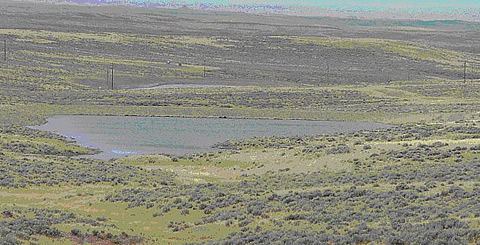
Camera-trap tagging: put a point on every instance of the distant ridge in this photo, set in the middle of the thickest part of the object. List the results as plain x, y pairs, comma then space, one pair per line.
466, 12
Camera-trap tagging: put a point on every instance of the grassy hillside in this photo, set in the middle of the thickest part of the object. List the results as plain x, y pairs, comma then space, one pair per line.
413, 183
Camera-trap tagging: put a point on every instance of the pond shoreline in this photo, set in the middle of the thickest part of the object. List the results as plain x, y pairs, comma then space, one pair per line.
210, 117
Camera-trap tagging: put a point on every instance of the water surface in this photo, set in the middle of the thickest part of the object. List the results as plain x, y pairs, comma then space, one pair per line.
118, 136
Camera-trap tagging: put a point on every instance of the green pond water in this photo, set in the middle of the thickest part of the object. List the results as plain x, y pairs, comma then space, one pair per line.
118, 136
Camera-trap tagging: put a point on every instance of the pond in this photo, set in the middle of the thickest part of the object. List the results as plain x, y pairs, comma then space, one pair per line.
118, 136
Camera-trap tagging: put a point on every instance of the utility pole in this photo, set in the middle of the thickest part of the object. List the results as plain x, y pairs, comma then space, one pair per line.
327, 72
465, 72
112, 76
5, 50
108, 77
204, 68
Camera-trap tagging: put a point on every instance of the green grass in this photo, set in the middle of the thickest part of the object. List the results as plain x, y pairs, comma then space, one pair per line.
46, 37
411, 50
87, 201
